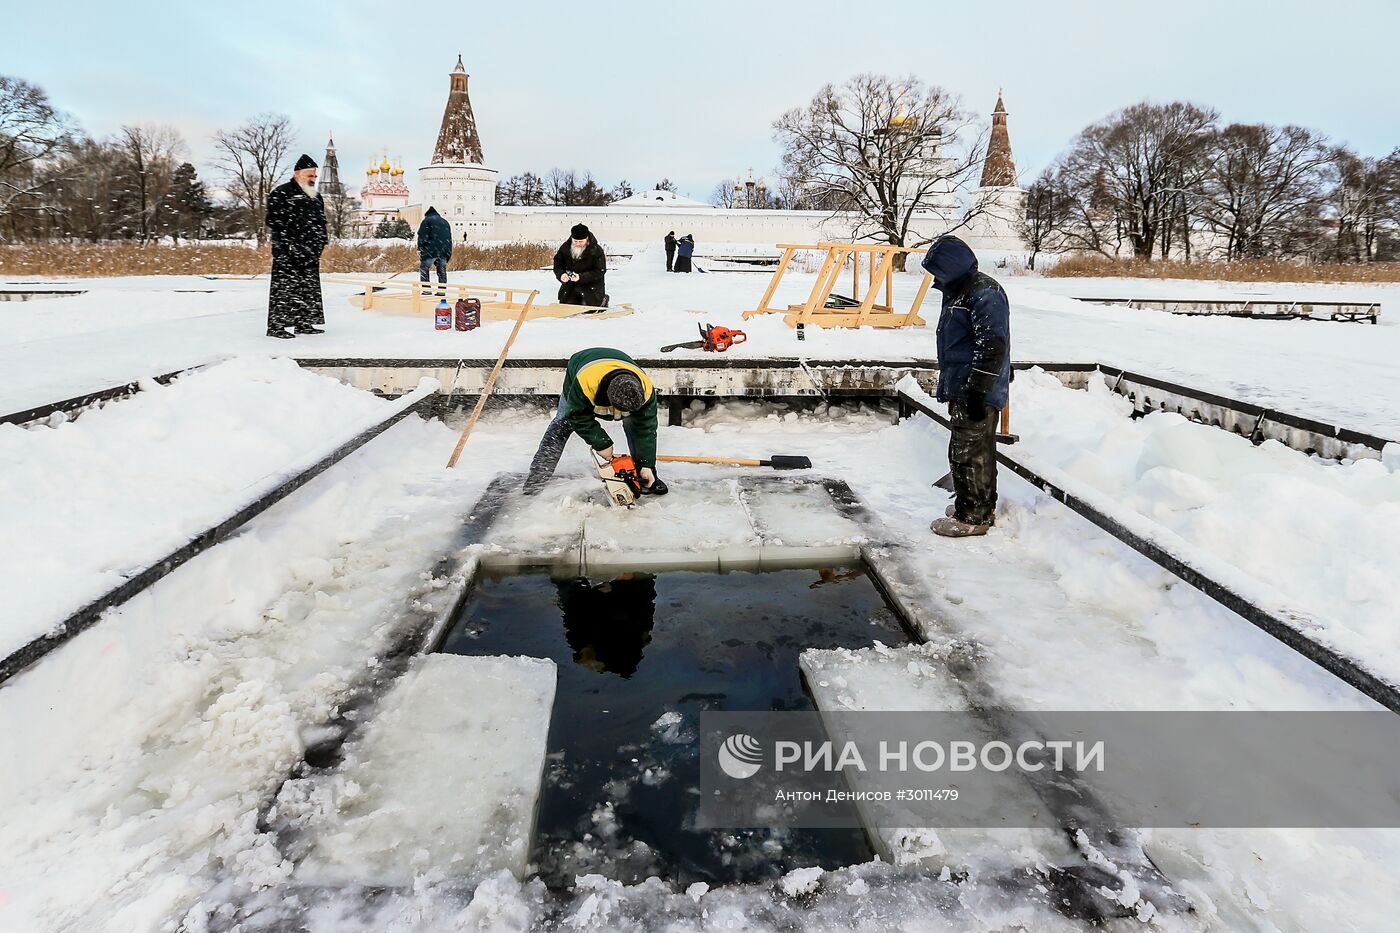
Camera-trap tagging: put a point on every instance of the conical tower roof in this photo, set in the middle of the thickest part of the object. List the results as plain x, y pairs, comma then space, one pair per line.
330, 170
458, 142
999, 170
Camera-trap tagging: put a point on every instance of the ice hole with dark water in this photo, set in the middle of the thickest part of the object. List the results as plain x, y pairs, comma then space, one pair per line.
640, 656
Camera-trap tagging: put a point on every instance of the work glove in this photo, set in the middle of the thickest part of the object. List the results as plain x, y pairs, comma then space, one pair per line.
979, 386
648, 476
606, 454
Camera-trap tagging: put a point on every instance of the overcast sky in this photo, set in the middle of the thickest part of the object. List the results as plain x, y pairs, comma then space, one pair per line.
645, 90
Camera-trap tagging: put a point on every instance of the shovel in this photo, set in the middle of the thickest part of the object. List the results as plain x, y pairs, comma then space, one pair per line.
776, 461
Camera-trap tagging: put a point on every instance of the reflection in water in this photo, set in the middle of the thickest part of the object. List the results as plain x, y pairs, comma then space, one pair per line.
608, 625
640, 659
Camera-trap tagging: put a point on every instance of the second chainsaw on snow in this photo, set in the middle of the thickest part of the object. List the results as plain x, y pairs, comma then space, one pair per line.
714, 338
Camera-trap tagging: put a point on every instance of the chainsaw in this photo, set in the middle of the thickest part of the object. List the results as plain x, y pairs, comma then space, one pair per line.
713, 339
621, 479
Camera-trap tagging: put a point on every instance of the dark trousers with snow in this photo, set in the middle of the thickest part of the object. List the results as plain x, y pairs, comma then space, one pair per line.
427, 264
972, 459
670, 258
552, 448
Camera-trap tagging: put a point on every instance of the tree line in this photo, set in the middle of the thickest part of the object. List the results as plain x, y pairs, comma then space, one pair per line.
1157, 181
138, 184
565, 188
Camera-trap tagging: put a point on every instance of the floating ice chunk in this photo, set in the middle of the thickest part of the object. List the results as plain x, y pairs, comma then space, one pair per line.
801, 881
445, 779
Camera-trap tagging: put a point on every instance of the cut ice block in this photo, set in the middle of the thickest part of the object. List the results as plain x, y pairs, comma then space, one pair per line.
800, 515
914, 678
695, 518
544, 529
445, 780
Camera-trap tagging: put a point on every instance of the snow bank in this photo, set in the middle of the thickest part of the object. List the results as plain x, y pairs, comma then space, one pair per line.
139, 753
1324, 534
115, 490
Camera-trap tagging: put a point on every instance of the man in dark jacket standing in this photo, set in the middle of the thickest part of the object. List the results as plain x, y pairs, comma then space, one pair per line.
974, 376
434, 245
670, 250
580, 266
296, 216
686, 246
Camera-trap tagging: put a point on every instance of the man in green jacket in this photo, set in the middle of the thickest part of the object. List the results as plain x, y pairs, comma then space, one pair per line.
606, 384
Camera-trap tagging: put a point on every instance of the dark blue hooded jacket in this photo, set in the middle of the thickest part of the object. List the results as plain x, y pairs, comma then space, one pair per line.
974, 327
434, 236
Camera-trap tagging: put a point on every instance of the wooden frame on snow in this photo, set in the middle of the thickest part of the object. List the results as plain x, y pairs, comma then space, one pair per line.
824, 309
497, 304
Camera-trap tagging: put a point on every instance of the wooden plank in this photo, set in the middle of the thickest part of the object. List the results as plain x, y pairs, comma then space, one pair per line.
763, 306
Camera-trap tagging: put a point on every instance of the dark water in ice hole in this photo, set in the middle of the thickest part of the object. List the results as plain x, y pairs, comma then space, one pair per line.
620, 794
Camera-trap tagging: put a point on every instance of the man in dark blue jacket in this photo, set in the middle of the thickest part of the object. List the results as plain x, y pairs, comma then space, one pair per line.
434, 245
974, 375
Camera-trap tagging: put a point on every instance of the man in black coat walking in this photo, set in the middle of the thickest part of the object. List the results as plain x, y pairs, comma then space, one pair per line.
296, 216
434, 245
580, 266
670, 250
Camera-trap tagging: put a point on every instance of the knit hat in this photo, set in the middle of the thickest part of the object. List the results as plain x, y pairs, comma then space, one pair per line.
304, 162
625, 392
579, 232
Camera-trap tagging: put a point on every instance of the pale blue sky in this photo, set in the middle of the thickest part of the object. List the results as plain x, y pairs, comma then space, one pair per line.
642, 90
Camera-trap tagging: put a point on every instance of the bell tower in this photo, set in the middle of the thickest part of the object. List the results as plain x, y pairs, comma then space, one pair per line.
457, 182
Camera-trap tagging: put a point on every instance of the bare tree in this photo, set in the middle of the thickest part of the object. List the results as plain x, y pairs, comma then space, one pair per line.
1048, 217
253, 157
560, 187
31, 131
723, 193
1260, 182
1361, 200
149, 160
874, 146
1127, 173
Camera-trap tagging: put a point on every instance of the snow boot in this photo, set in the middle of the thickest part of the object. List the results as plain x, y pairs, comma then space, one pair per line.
281, 334
657, 488
308, 329
950, 527
952, 512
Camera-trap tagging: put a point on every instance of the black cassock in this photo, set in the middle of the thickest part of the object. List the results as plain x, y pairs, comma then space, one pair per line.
298, 225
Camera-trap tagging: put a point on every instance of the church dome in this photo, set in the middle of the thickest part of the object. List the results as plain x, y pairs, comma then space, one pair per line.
384, 166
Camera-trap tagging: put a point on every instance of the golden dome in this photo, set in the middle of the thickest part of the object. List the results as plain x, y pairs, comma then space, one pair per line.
371, 170
901, 118
398, 167
384, 166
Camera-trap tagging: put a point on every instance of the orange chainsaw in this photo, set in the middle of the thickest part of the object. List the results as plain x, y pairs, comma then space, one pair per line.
713, 339
620, 477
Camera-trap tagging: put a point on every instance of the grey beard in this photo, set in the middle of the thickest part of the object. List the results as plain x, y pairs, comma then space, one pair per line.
309, 190
576, 251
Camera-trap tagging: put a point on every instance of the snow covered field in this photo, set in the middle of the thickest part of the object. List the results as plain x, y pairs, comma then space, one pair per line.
141, 753
124, 329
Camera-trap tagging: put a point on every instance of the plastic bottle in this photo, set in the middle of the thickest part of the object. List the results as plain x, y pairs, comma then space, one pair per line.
467, 314
443, 316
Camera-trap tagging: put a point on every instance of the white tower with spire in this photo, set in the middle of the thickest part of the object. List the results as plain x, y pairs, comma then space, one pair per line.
457, 182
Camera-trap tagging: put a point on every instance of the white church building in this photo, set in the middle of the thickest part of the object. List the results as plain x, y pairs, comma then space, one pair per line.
463, 189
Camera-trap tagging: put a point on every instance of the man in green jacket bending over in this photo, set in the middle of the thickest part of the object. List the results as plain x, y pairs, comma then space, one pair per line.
606, 384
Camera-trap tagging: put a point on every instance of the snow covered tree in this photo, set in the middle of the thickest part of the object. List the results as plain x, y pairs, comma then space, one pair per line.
863, 147
396, 229
253, 158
